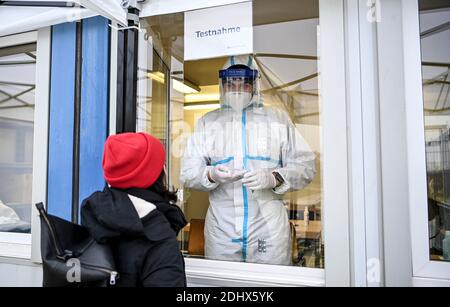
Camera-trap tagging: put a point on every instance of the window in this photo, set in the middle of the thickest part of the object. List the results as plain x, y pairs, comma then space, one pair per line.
435, 35
152, 106
24, 87
17, 98
285, 39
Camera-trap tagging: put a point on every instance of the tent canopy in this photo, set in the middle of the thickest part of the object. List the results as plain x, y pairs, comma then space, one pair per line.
32, 16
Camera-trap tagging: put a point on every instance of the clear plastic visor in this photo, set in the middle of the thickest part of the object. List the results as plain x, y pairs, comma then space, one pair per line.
237, 84
238, 87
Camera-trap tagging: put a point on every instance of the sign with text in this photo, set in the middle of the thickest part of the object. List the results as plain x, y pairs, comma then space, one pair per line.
218, 31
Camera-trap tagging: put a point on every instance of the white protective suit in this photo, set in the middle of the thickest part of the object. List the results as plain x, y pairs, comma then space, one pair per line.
241, 224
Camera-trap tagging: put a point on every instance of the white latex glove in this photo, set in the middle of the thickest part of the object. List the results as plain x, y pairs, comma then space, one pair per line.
259, 180
224, 174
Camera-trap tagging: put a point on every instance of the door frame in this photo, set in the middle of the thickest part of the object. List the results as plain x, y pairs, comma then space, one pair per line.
335, 173
26, 246
423, 267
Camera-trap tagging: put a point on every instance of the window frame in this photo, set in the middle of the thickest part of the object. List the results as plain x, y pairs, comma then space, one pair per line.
232, 274
162, 7
26, 246
423, 267
335, 167
113, 49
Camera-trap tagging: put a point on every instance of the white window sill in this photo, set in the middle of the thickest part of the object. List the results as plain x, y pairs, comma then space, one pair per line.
235, 274
15, 245
430, 282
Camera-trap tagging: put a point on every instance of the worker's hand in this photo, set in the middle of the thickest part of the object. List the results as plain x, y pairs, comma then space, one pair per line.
223, 174
259, 180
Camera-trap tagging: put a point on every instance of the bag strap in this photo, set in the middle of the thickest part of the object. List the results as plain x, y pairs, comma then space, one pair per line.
81, 251
60, 253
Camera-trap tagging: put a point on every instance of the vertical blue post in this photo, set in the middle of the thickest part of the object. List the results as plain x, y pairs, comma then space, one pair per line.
94, 104
62, 91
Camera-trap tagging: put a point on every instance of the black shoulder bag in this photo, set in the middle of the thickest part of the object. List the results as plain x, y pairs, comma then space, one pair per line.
71, 257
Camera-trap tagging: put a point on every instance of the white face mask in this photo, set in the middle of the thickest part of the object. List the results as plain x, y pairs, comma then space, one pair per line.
238, 100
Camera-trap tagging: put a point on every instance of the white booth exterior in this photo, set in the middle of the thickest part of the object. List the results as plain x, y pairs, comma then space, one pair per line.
374, 166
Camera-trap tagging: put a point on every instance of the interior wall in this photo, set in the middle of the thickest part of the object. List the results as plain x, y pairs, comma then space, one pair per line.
277, 38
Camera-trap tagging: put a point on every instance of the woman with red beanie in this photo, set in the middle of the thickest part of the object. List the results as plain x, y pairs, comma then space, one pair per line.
136, 214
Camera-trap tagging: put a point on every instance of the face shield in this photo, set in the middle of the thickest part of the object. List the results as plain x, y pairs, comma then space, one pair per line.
238, 87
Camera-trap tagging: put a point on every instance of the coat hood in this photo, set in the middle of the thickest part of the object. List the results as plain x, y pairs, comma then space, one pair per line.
110, 214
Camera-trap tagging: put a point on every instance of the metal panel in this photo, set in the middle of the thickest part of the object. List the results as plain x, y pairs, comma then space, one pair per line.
61, 120
335, 157
394, 155
120, 85
40, 143
94, 104
127, 56
131, 80
76, 124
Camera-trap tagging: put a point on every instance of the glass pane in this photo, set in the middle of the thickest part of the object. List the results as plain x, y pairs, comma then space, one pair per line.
17, 84
435, 41
233, 221
152, 95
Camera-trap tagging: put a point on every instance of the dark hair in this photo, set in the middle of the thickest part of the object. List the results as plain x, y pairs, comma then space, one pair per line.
238, 66
161, 187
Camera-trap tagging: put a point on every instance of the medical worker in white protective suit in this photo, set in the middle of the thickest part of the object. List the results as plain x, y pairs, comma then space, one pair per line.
246, 156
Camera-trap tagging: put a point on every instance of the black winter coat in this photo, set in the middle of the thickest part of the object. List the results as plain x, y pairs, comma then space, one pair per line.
146, 251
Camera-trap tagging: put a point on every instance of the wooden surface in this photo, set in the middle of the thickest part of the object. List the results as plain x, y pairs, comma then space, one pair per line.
196, 239
311, 231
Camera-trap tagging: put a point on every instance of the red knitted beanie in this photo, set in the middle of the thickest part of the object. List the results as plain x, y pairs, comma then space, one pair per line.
132, 160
